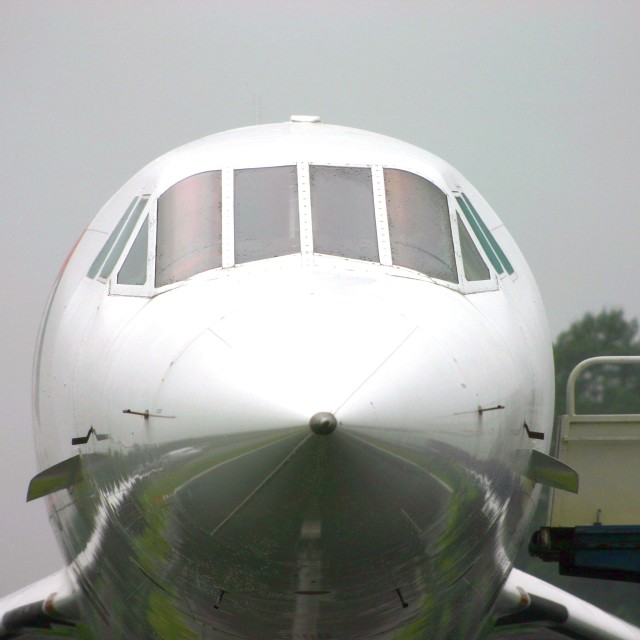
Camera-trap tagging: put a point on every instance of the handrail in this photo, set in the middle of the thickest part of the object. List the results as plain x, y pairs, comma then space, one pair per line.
580, 367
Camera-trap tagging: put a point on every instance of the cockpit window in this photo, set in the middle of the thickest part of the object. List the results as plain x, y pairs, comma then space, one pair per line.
112, 249
419, 225
491, 247
266, 219
474, 266
267, 212
189, 229
134, 268
343, 214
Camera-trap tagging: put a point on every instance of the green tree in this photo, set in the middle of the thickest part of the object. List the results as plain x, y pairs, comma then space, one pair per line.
602, 388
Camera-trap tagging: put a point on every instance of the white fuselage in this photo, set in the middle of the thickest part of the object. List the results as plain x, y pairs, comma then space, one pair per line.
207, 506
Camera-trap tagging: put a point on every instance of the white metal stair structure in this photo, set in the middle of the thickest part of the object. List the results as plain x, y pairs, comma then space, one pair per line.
596, 532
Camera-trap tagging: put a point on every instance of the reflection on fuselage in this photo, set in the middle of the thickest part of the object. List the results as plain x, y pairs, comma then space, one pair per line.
288, 534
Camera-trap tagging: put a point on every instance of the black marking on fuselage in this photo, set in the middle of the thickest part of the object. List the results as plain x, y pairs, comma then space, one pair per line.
146, 414
402, 600
85, 439
481, 410
534, 435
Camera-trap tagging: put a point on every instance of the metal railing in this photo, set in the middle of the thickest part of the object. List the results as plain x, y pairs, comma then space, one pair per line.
585, 364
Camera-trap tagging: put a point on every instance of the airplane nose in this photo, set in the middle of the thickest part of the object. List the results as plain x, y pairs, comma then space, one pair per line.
295, 365
323, 423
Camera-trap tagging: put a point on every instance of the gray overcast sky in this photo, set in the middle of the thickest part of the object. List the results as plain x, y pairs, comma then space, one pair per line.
535, 102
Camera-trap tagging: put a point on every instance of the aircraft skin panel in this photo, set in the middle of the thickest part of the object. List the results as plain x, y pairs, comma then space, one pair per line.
572, 616
303, 446
51, 603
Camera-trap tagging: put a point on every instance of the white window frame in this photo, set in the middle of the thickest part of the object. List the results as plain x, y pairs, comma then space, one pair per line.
306, 232
459, 286
145, 290
470, 286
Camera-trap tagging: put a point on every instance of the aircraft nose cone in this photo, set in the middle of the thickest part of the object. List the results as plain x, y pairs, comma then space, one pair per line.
323, 423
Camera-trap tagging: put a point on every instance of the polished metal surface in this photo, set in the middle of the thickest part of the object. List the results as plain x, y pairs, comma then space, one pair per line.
323, 423
286, 534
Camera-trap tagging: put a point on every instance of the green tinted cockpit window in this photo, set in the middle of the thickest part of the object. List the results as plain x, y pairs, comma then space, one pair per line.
490, 245
474, 266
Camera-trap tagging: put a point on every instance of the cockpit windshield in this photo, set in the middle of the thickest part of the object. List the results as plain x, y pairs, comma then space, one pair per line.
419, 225
343, 212
189, 236
222, 218
266, 219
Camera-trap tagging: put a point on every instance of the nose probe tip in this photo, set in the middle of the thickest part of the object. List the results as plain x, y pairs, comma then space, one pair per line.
323, 423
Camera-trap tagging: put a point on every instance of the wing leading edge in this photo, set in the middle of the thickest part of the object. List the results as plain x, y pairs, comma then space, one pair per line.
49, 603
530, 602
